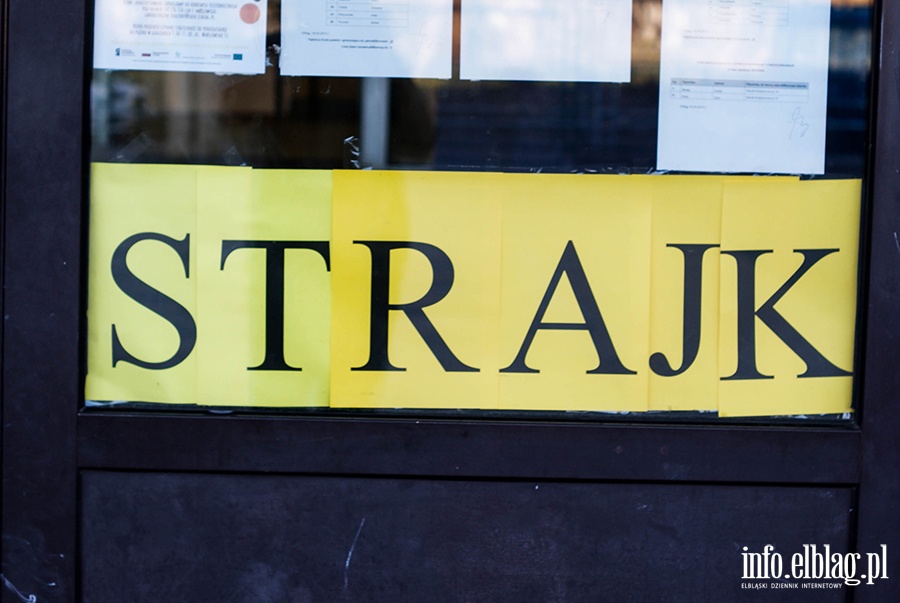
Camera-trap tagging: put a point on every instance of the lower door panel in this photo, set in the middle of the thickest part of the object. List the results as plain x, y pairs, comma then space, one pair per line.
217, 538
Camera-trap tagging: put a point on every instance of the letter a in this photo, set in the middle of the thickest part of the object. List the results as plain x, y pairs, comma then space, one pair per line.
570, 265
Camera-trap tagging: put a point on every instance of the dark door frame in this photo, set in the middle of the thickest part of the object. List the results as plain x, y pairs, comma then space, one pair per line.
42, 195
47, 438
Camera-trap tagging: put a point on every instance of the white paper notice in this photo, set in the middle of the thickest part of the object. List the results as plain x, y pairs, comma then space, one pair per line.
367, 38
743, 86
546, 40
174, 35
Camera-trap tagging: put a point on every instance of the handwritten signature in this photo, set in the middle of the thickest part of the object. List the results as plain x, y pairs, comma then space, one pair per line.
799, 125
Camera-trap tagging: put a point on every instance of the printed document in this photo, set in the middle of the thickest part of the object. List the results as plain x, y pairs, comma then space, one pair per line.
743, 86
367, 38
181, 35
546, 40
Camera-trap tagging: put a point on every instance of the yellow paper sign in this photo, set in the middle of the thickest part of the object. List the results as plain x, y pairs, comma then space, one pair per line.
209, 285
788, 297
364, 289
415, 288
684, 302
264, 287
141, 222
575, 299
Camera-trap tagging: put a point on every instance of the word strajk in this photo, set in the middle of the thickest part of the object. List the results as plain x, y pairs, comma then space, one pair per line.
442, 277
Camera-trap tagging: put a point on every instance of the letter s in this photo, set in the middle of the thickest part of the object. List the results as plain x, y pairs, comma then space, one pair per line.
154, 300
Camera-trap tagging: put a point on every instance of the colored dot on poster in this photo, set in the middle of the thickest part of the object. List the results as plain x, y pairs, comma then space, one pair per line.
249, 13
